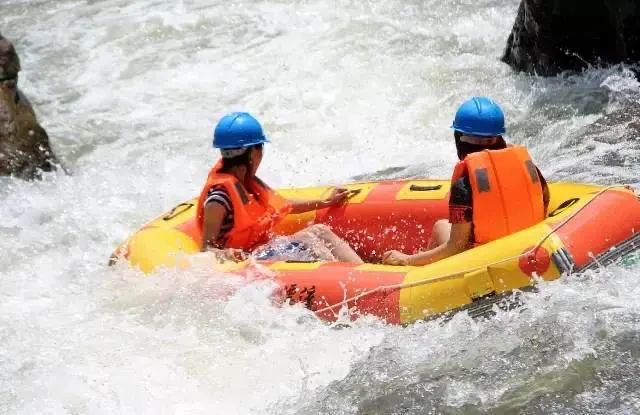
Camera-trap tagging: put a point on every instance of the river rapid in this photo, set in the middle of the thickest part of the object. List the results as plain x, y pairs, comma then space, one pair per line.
129, 93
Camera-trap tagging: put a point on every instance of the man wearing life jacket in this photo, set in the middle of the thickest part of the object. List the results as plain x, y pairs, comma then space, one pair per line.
496, 190
236, 211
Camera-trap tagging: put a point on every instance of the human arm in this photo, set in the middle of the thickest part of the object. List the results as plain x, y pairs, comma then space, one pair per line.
458, 238
337, 197
459, 241
214, 214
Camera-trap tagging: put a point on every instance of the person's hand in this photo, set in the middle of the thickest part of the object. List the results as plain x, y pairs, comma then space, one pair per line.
229, 254
395, 258
337, 197
235, 254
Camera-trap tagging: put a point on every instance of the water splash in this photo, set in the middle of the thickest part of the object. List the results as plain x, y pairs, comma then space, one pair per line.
129, 93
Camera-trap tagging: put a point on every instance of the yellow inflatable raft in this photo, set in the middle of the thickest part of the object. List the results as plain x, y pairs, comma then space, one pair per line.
586, 225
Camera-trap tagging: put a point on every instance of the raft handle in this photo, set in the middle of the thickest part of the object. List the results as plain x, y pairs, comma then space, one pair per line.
353, 192
301, 261
418, 188
563, 206
177, 211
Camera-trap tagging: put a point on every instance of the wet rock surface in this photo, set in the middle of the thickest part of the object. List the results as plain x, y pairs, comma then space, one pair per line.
25, 151
550, 36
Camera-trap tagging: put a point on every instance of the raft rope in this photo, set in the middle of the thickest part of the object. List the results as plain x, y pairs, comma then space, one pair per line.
386, 289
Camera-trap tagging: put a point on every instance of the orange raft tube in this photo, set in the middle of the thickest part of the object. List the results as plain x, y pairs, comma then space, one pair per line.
586, 225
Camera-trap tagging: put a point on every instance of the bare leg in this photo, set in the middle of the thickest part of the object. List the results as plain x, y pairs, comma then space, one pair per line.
339, 248
440, 233
315, 244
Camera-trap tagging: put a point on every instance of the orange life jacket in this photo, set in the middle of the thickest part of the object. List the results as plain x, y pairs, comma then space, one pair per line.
256, 209
506, 191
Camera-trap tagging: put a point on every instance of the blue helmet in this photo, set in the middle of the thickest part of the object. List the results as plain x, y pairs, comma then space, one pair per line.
479, 116
238, 130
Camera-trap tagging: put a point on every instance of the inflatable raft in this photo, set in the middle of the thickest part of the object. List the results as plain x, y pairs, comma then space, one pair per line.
586, 225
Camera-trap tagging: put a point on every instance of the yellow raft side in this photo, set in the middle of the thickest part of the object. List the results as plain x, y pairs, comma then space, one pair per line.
449, 284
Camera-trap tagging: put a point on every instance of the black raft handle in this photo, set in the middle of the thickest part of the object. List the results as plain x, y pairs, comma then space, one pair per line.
178, 210
353, 192
418, 188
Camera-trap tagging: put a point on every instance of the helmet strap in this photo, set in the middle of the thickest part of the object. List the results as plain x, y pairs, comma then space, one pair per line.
229, 153
464, 148
479, 141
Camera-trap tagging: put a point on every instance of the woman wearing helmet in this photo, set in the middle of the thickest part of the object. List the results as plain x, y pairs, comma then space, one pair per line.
236, 211
496, 190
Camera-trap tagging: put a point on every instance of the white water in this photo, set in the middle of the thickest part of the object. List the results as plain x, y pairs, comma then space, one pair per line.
129, 92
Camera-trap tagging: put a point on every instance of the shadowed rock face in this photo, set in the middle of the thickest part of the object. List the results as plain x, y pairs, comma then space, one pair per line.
24, 144
550, 36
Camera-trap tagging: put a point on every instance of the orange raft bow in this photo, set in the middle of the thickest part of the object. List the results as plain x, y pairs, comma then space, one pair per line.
506, 191
256, 209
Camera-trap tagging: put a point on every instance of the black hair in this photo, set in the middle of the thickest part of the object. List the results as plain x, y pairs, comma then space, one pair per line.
464, 149
241, 160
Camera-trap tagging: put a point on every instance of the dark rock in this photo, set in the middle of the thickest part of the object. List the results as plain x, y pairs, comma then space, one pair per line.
9, 60
24, 145
550, 36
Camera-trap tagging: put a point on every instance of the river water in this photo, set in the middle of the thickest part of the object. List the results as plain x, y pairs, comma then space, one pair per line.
129, 92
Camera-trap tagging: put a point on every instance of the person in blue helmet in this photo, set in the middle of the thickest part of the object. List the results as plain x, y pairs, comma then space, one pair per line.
237, 212
496, 189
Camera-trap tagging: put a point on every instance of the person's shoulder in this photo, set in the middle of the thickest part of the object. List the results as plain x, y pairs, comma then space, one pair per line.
461, 192
462, 184
218, 194
261, 183
218, 189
